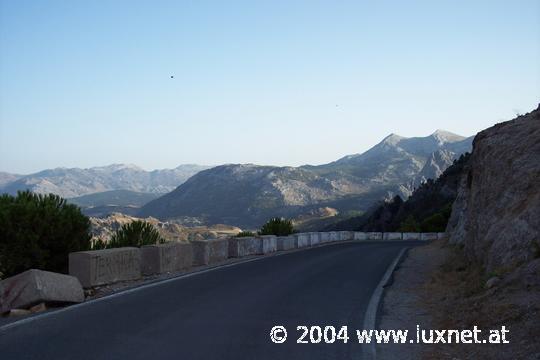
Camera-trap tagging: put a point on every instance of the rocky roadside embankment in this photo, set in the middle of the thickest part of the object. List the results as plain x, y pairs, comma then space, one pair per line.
488, 274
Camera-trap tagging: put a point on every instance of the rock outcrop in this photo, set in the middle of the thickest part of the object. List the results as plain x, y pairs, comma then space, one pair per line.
496, 215
103, 228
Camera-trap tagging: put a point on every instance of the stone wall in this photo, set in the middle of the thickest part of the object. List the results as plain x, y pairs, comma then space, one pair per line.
100, 267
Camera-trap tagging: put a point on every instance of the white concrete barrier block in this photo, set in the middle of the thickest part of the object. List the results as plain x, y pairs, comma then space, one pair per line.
99, 267
268, 244
358, 235
245, 246
345, 235
324, 237
302, 240
374, 236
166, 258
442, 236
411, 236
210, 251
428, 236
334, 236
285, 243
392, 236
314, 239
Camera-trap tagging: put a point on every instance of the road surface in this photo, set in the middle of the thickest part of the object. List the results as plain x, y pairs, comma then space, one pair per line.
226, 313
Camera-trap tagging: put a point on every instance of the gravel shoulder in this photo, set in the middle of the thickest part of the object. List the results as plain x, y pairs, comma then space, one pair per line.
437, 288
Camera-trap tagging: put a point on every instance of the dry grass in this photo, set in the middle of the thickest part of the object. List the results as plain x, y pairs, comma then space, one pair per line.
456, 298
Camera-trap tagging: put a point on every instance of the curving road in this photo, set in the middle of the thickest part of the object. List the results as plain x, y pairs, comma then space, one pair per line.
226, 313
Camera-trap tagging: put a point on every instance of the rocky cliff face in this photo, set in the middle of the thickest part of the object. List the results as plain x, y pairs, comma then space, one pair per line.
496, 215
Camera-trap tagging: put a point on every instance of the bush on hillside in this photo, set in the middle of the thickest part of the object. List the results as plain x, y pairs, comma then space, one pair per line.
136, 233
245, 234
438, 221
409, 225
39, 231
278, 227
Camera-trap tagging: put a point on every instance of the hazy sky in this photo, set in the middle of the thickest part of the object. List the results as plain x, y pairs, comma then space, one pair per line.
85, 83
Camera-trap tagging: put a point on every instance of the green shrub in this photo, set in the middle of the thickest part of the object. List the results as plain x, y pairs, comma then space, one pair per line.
278, 227
98, 244
409, 225
245, 234
39, 231
136, 233
438, 221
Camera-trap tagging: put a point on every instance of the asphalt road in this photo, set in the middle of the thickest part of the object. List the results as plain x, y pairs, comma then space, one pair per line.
226, 313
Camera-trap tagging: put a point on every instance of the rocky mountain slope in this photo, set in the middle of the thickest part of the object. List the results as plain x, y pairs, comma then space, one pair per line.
103, 228
115, 201
426, 210
6, 178
247, 195
76, 182
496, 215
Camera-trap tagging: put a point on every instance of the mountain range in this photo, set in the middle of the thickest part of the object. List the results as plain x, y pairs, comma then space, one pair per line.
247, 195
74, 182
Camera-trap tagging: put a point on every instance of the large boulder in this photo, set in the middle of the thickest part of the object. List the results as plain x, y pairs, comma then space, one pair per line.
37, 286
496, 215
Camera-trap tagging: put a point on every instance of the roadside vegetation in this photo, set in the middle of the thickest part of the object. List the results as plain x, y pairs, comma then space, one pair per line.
136, 234
39, 231
245, 234
277, 226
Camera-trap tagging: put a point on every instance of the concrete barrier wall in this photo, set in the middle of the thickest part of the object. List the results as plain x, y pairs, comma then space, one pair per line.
268, 244
207, 252
245, 246
374, 235
428, 236
302, 240
165, 258
334, 236
100, 267
411, 236
359, 235
285, 243
392, 236
324, 237
314, 238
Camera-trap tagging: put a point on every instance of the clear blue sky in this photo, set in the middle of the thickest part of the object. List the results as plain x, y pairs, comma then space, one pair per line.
85, 83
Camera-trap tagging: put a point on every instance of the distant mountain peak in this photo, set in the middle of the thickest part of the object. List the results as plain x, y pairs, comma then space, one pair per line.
443, 136
116, 167
392, 139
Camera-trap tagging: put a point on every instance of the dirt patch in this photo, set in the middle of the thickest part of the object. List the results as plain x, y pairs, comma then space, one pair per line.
402, 307
437, 288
